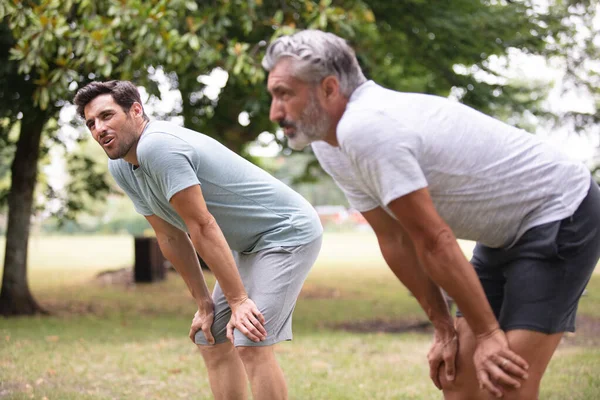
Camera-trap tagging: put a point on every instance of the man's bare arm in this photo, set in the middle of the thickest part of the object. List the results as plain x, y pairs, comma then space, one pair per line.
211, 245
439, 253
177, 248
399, 253
209, 241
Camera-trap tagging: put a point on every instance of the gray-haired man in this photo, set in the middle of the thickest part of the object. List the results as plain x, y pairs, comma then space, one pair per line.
424, 170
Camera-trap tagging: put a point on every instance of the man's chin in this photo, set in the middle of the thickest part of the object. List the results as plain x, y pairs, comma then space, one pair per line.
114, 156
298, 144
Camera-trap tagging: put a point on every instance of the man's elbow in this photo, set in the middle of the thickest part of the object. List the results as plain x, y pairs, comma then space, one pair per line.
201, 225
436, 241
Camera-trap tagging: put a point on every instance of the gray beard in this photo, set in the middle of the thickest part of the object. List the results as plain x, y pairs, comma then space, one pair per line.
312, 126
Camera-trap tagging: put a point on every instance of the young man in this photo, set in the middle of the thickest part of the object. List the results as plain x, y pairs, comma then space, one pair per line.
424, 171
185, 182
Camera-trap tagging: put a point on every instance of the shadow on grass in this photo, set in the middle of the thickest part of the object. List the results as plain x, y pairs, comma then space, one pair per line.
384, 326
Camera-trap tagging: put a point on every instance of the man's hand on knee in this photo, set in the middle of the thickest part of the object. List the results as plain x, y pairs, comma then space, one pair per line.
496, 364
203, 320
246, 318
443, 353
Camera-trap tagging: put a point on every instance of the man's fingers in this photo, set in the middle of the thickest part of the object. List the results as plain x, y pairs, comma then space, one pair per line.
450, 353
514, 370
259, 326
434, 373
230, 333
259, 315
450, 363
249, 330
516, 359
486, 383
193, 329
510, 367
208, 334
502, 377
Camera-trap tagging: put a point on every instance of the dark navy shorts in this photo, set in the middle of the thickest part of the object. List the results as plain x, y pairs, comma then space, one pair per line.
536, 284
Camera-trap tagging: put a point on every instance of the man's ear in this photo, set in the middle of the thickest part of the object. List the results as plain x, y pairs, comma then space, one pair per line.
137, 109
331, 87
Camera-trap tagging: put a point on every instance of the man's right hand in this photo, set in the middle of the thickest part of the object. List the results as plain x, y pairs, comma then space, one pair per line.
203, 321
443, 352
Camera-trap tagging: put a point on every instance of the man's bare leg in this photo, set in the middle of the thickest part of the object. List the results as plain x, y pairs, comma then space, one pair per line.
535, 347
226, 373
266, 377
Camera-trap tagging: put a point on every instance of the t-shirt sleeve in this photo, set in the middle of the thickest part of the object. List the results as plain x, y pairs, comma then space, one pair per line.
358, 200
337, 165
169, 161
385, 154
140, 205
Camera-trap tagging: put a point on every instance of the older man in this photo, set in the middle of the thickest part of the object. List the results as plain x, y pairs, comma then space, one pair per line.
185, 182
425, 170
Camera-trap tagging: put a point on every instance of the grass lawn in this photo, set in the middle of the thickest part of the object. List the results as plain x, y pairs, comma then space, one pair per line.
130, 342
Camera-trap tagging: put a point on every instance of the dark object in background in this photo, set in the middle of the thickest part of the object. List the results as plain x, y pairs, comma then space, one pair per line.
149, 264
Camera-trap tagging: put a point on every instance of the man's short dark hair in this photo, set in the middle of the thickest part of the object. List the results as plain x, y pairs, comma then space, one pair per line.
124, 94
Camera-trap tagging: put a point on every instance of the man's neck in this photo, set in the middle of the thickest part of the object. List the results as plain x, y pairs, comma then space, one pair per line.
131, 156
336, 116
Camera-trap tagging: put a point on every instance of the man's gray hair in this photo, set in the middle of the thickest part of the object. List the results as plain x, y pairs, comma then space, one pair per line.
316, 55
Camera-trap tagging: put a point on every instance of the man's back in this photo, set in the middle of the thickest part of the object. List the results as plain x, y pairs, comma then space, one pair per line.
489, 181
253, 209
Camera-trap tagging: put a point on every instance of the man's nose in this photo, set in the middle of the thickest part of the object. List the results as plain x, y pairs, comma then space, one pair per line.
276, 114
100, 127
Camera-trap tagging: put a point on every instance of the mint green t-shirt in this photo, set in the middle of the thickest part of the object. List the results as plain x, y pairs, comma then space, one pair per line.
254, 210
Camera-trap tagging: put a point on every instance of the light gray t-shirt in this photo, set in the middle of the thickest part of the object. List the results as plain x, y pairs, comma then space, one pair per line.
254, 210
489, 181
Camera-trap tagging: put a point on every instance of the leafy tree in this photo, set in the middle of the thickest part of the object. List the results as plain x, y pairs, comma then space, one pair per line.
50, 48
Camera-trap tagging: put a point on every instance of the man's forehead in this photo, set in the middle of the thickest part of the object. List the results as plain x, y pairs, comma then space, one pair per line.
282, 74
100, 103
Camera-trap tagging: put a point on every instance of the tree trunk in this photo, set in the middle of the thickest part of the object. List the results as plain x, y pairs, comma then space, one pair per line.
15, 297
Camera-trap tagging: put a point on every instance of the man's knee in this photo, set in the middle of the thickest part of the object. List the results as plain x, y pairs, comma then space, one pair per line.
525, 392
456, 392
217, 354
254, 355
460, 391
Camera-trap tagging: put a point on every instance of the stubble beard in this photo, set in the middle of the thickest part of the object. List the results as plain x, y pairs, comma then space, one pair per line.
125, 142
312, 125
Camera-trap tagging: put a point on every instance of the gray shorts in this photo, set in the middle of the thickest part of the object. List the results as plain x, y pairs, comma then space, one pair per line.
537, 283
273, 279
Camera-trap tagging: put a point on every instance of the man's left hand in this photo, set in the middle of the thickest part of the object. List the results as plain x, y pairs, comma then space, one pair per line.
496, 364
443, 351
246, 318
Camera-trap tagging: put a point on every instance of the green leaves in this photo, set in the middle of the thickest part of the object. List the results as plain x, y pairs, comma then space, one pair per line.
53, 47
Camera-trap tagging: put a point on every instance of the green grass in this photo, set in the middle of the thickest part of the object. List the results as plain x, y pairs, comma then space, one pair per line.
117, 342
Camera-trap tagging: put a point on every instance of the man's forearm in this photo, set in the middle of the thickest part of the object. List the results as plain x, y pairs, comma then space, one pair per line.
446, 264
402, 260
212, 246
179, 251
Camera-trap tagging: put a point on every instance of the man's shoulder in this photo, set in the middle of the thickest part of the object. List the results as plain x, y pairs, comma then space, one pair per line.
161, 137
117, 166
332, 159
161, 126
120, 170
